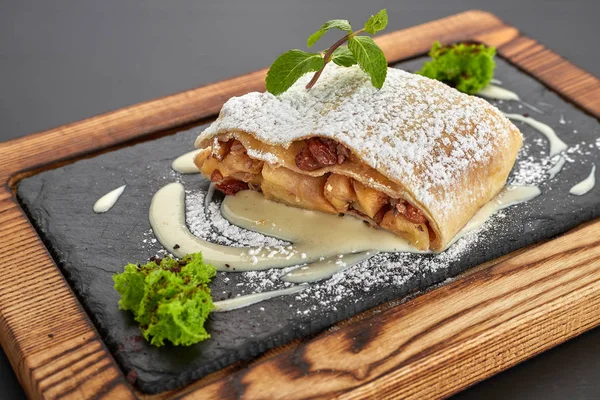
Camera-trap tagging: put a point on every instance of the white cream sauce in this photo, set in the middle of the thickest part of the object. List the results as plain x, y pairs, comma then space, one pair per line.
310, 232
494, 92
556, 144
556, 168
326, 268
318, 234
509, 196
247, 300
209, 195
185, 164
107, 201
585, 185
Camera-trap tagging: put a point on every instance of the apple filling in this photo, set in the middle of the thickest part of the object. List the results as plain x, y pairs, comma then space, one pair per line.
229, 167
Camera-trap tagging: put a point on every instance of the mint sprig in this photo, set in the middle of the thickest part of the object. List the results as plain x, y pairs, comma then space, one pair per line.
361, 50
370, 58
290, 66
377, 22
341, 24
343, 57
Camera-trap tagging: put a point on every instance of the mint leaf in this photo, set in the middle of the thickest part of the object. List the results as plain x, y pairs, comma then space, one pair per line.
290, 66
343, 57
370, 58
377, 22
341, 24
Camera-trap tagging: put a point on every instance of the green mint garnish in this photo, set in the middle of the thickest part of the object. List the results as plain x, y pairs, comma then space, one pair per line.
169, 298
377, 22
290, 66
361, 50
343, 57
370, 58
341, 24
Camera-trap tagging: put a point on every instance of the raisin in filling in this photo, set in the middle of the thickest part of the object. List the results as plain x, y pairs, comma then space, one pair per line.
228, 186
319, 153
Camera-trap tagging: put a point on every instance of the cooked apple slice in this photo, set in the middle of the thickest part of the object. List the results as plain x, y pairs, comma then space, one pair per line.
235, 165
370, 200
339, 192
289, 187
416, 234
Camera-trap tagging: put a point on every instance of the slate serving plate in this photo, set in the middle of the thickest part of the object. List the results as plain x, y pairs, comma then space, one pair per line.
89, 248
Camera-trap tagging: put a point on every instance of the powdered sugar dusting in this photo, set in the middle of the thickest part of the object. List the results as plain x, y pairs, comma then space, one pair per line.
263, 155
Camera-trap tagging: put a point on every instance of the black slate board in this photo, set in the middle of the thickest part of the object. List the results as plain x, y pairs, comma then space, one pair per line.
89, 248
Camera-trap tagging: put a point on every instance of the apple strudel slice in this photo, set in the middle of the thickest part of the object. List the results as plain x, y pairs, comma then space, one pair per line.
417, 157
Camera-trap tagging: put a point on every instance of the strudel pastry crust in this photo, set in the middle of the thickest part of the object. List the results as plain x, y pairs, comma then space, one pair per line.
416, 157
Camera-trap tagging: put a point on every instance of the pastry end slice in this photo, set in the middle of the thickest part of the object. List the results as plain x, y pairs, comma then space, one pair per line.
416, 158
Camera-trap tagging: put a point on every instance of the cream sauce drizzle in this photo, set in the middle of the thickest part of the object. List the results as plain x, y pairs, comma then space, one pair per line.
493, 92
185, 164
498, 93
247, 300
509, 196
556, 168
309, 230
107, 201
209, 195
585, 185
556, 144
326, 268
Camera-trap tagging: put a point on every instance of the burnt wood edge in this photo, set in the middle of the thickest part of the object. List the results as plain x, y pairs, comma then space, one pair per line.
140, 122
556, 296
43, 329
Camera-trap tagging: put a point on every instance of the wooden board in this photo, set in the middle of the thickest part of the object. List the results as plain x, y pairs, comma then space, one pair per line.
491, 318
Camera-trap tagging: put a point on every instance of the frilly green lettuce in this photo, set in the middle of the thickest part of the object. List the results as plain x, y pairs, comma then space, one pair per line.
170, 298
467, 67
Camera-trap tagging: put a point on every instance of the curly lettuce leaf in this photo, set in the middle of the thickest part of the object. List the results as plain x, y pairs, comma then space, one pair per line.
467, 67
170, 298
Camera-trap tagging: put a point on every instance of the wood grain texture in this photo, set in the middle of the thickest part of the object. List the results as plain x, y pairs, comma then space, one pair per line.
438, 343
446, 339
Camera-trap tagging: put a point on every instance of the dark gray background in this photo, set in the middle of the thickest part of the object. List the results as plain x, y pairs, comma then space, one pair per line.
62, 61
